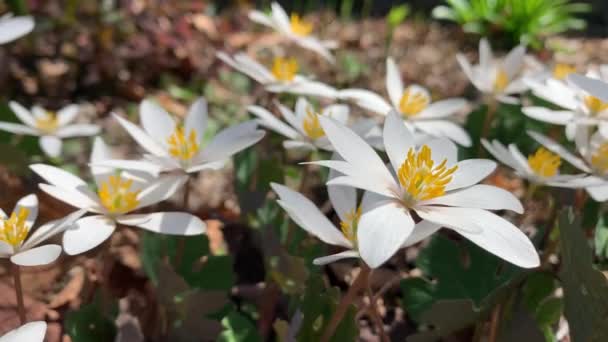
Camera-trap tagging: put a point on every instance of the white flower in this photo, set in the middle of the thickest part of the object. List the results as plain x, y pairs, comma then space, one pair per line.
303, 129
430, 182
12, 28
19, 245
595, 87
282, 77
117, 195
29, 332
541, 167
415, 106
578, 108
592, 159
295, 29
49, 126
500, 79
176, 149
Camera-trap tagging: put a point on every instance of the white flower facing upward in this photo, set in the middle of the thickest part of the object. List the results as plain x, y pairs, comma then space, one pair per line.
176, 149
296, 29
430, 182
118, 194
19, 241
415, 106
29, 332
303, 129
12, 27
592, 159
49, 126
541, 167
282, 77
578, 108
499, 78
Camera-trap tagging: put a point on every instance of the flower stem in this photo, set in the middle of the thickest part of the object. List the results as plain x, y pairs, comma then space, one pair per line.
359, 283
373, 310
181, 241
487, 123
19, 293
494, 323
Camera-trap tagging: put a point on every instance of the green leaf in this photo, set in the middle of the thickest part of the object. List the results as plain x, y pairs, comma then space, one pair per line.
88, 324
601, 238
549, 311
238, 329
585, 288
397, 15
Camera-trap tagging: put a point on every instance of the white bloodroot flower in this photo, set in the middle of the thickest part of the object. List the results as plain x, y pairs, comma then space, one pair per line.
578, 107
49, 126
12, 27
540, 168
29, 332
295, 29
118, 194
19, 245
427, 181
282, 77
592, 159
500, 79
415, 106
176, 149
303, 129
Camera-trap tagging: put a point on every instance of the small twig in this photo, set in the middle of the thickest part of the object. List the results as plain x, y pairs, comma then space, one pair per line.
373, 310
19, 293
494, 323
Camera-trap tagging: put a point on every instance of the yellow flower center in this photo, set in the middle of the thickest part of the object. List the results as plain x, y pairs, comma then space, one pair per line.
544, 163
501, 81
14, 229
284, 69
599, 159
116, 195
299, 26
312, 126
561, 71
48, 122
181, 146
595, 105
421, 178
349, 225
413, 102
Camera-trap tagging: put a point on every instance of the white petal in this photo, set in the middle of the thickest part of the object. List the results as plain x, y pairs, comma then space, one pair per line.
156, 122
339, 112
67, 114
170, 223
470, 172
298, 145
599, 193
30, 203
22, 113
72, 197
554, 147
52, 228
290, 116
161, 189
17, 128
443, 108
315, 45
231, 141
37, 256
100, 152
58, 177
216, 165
479, 196
50, 145
78, 130
6, 250
398, 139
260, 18
197, 118
280, 18
452, 217
268, 120
30, 332
519, 158
252, 69
143, 139
307, 88
308, 216
335, 257
343, 198
12, 28
444, 128
394, 85
501, 153
133, 165
366, 99
2, 214
442, 148
486, 58
556, 117
514, 60
382, 231
87, 233
422, 230
594, 87
468, 70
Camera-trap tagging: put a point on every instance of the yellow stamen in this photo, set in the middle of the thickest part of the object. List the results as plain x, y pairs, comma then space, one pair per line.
299, 26
544, 163
284, 69
595, 105
599, 159
421, 178
561, 71
181, 146
312, 126
349, 226
48, 122
14, 229
413, 102
116, 195
501, 81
